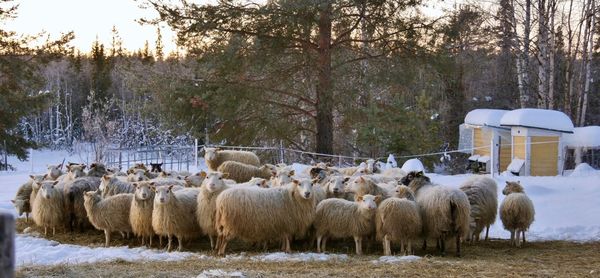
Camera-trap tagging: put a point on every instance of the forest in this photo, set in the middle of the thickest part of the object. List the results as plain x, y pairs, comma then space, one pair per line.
350, 77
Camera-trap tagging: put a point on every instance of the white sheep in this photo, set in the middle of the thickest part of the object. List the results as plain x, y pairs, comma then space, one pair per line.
54, 172
445, 210
23, 195
111, 185
195, 180
136, 175
283, 176
363, 185
337, 218
140, 214
335, 187
241, 172
399, 220
482, 192
516, 212
212, 186
260, 215
214, 157
48, 207
74, 171
109, 214
173, 214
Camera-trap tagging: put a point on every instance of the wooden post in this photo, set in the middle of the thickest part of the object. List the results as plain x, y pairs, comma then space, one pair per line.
7, 244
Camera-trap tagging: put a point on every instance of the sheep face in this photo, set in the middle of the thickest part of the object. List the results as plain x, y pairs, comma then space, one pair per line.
92, 195
371, 166
143, 191
513, 187
195, 180
304, 188
104, 182
210, 153
138, 175
19, 206
336, 185
47, 189
54, 170
318, 172
214, 181
271, 168
368, 201
358, 184
259, 182
406, 180
156, 167
404, 192
163, 194
76, 170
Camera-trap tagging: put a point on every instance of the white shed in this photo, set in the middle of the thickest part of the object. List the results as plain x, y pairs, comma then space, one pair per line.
583, 146
538, 140
489, 143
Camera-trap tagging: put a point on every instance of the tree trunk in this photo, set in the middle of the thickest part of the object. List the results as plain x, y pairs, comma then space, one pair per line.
542, 55
522, 60
583, 73
589, 54
551, 53
324, 86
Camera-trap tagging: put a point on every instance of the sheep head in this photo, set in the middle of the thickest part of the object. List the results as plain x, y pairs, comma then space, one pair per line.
513, 187
368, 201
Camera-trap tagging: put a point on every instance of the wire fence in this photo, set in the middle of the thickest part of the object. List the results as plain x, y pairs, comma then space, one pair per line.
172, 157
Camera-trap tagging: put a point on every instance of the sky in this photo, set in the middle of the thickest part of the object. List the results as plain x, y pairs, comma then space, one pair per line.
91, 19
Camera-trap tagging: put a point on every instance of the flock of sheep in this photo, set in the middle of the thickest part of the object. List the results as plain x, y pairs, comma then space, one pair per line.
241, 199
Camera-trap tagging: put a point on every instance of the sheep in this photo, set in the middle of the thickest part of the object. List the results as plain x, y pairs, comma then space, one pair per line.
241, 172
54, 171
396, 173
363, 185
372, 167
168, 181
335, 187
116, 171
445, 211
337, 218
111, 185
48, 208
398, 220
74, 192
283, 176
173, 214
74, 171
258, 182
140, 214
214, 157
516, 212
135, 175
260, 215
483, 196
195, 180
108, 214
22, 198
140, 166
156, 167
212, 186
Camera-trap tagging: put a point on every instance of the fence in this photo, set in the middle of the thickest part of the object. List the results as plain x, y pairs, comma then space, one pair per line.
173, 157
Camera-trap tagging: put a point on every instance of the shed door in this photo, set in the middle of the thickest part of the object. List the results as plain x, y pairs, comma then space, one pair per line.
481, 140
544, 155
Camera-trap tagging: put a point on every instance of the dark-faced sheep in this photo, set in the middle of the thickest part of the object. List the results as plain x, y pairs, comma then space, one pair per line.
516, 212
445, 210
214, 157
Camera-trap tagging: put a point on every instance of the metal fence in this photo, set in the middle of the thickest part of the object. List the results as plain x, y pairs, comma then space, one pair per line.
173, 157
590, 156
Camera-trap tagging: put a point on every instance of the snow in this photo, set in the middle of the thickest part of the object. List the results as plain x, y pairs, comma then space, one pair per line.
538, 118
585, 137
413, 164
32, 250
584, 170
484, 159
220, 273
396, 259
485, 117
474, 157
391, 162
515, 165
567, 208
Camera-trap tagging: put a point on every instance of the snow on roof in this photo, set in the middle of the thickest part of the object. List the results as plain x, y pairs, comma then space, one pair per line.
485, 117
515, 165
538, 118
413, 164
587, 137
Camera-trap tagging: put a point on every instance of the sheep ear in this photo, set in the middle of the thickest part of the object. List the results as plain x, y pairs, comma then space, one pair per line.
293, 172
296, 182
55, 183
362, 178
315, 180
346, 179
378, 198
12, 201
202, 174
225, 175
106, 177
153, 183
32, 177
170, 187
359, 198
68, 167
420, 174
507, 182
264, 182
519, 182
135, 184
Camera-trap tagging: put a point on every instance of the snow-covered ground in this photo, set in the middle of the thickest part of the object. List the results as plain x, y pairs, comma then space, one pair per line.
567, 208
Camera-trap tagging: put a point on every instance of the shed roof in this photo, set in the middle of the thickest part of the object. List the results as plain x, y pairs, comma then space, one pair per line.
485, 117
587, 137
551, 120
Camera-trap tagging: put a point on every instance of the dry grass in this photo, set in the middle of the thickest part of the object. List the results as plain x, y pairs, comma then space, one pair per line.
487, 259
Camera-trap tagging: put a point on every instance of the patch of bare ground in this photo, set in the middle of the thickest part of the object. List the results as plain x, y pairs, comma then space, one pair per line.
494, 258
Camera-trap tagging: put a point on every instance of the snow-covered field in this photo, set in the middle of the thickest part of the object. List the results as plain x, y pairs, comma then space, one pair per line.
567, 208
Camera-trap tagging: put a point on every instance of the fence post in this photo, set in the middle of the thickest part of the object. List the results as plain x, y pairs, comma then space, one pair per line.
7, 244
281, 151
31, 159
492, 157
195, 152
340, 161
5, 157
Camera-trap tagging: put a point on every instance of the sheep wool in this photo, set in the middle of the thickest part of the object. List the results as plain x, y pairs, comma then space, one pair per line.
214, 157
110, 214
516, 212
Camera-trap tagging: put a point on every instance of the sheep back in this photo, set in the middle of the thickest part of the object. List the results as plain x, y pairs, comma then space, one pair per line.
517, 211
338, 218
398, 219
221, 156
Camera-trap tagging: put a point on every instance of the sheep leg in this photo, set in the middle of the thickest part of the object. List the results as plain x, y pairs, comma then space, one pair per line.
53, 231
512, 237
170, 238
212, 242
150, 239
288, 248
159, 241
442, 242
358, 244
386, 246
425, 244
487, 231
458, 246
402, 250
518, 238
324, 244
180, 247
45, 230
26, 217
523, 231
106, 237
319, 237
409, 247
221, 246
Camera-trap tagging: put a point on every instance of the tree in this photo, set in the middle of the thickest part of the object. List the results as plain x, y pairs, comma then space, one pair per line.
20, 82
314, 33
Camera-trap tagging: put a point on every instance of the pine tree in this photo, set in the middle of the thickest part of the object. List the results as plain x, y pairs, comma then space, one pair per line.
159, 52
